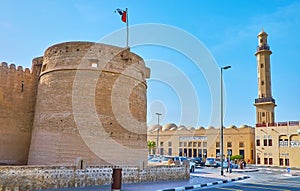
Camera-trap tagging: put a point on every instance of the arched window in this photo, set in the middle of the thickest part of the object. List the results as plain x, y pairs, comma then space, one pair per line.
283, 141
295, 140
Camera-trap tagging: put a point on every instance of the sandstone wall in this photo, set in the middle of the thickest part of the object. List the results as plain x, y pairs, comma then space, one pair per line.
17, 100
91, 106
24, 178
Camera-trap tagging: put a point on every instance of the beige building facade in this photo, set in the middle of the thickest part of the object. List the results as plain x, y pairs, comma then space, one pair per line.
277, 143
202, 142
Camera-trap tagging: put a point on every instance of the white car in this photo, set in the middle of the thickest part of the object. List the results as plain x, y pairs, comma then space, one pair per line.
181, 159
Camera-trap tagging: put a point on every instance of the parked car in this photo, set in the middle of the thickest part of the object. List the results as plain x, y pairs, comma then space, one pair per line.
154, 161
210, 162
181, 159
198, 161
150, 157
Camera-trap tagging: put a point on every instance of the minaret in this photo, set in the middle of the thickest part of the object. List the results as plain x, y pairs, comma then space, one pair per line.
265, 103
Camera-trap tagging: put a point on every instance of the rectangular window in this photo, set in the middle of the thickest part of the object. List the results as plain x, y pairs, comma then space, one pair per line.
242, 152
185, 152
218, 152
257, 142
199, 153
94, 65
217, 144
241, 144
180, 144
281, 162
162, 151
265, 160
199, 144
190, 144
170, 151
229, 144
194, 144
161, 144
258, 160
204, 144
190, 153
185, 144
180, 152
205, 153
194, 152
270, 161
170, 144
265, 142
287, 162
270, 142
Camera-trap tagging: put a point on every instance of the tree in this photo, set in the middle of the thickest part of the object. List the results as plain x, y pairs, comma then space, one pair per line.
151, 145
237, 157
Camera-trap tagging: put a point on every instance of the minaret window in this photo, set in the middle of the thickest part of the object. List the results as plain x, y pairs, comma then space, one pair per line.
262, 83
261, 40
261, 65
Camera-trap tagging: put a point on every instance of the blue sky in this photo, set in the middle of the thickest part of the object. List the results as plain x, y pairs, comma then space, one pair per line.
177, 87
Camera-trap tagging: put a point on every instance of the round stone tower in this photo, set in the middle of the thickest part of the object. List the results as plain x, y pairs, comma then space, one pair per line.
91, 107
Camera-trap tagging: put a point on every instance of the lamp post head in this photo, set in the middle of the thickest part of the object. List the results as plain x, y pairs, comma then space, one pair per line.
158, 113
225, 67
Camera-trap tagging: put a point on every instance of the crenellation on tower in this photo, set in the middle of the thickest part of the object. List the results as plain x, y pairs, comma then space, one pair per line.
12, 67
20, 68
3, 64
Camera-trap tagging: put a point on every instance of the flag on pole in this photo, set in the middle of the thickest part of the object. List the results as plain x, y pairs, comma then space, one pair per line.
123, 15
124, 18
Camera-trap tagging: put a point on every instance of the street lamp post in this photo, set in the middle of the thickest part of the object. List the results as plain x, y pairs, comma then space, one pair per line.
157, 137
221, 128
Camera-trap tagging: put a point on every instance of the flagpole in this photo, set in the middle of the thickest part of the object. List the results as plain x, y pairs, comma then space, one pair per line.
127, 28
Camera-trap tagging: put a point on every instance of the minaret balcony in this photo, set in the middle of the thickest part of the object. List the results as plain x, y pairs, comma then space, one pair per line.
265, 99
263, 47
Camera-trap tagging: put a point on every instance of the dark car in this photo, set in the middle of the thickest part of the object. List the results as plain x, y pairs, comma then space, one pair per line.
198, 161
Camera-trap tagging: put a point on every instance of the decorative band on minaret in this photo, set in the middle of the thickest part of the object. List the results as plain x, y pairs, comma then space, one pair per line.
265, 103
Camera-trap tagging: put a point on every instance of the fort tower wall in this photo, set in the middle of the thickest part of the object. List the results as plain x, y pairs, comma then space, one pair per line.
17, 100
90, 107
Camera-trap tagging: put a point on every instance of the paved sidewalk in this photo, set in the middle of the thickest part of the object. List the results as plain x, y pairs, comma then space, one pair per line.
200, 179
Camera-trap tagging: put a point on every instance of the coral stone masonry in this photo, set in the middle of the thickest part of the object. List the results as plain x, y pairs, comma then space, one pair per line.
81, 103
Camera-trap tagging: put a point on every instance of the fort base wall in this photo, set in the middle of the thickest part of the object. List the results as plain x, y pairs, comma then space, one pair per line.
23, 178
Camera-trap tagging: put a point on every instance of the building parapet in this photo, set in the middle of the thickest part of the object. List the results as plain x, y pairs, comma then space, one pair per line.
263, 47
278, 124
265, 99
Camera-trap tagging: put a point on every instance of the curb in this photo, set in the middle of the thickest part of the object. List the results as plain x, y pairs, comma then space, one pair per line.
246, 170
205, 185
292, 174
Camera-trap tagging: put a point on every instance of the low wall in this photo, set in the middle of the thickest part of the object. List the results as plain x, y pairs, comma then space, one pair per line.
24, 178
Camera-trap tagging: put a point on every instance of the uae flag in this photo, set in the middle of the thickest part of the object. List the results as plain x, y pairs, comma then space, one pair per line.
123, 15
